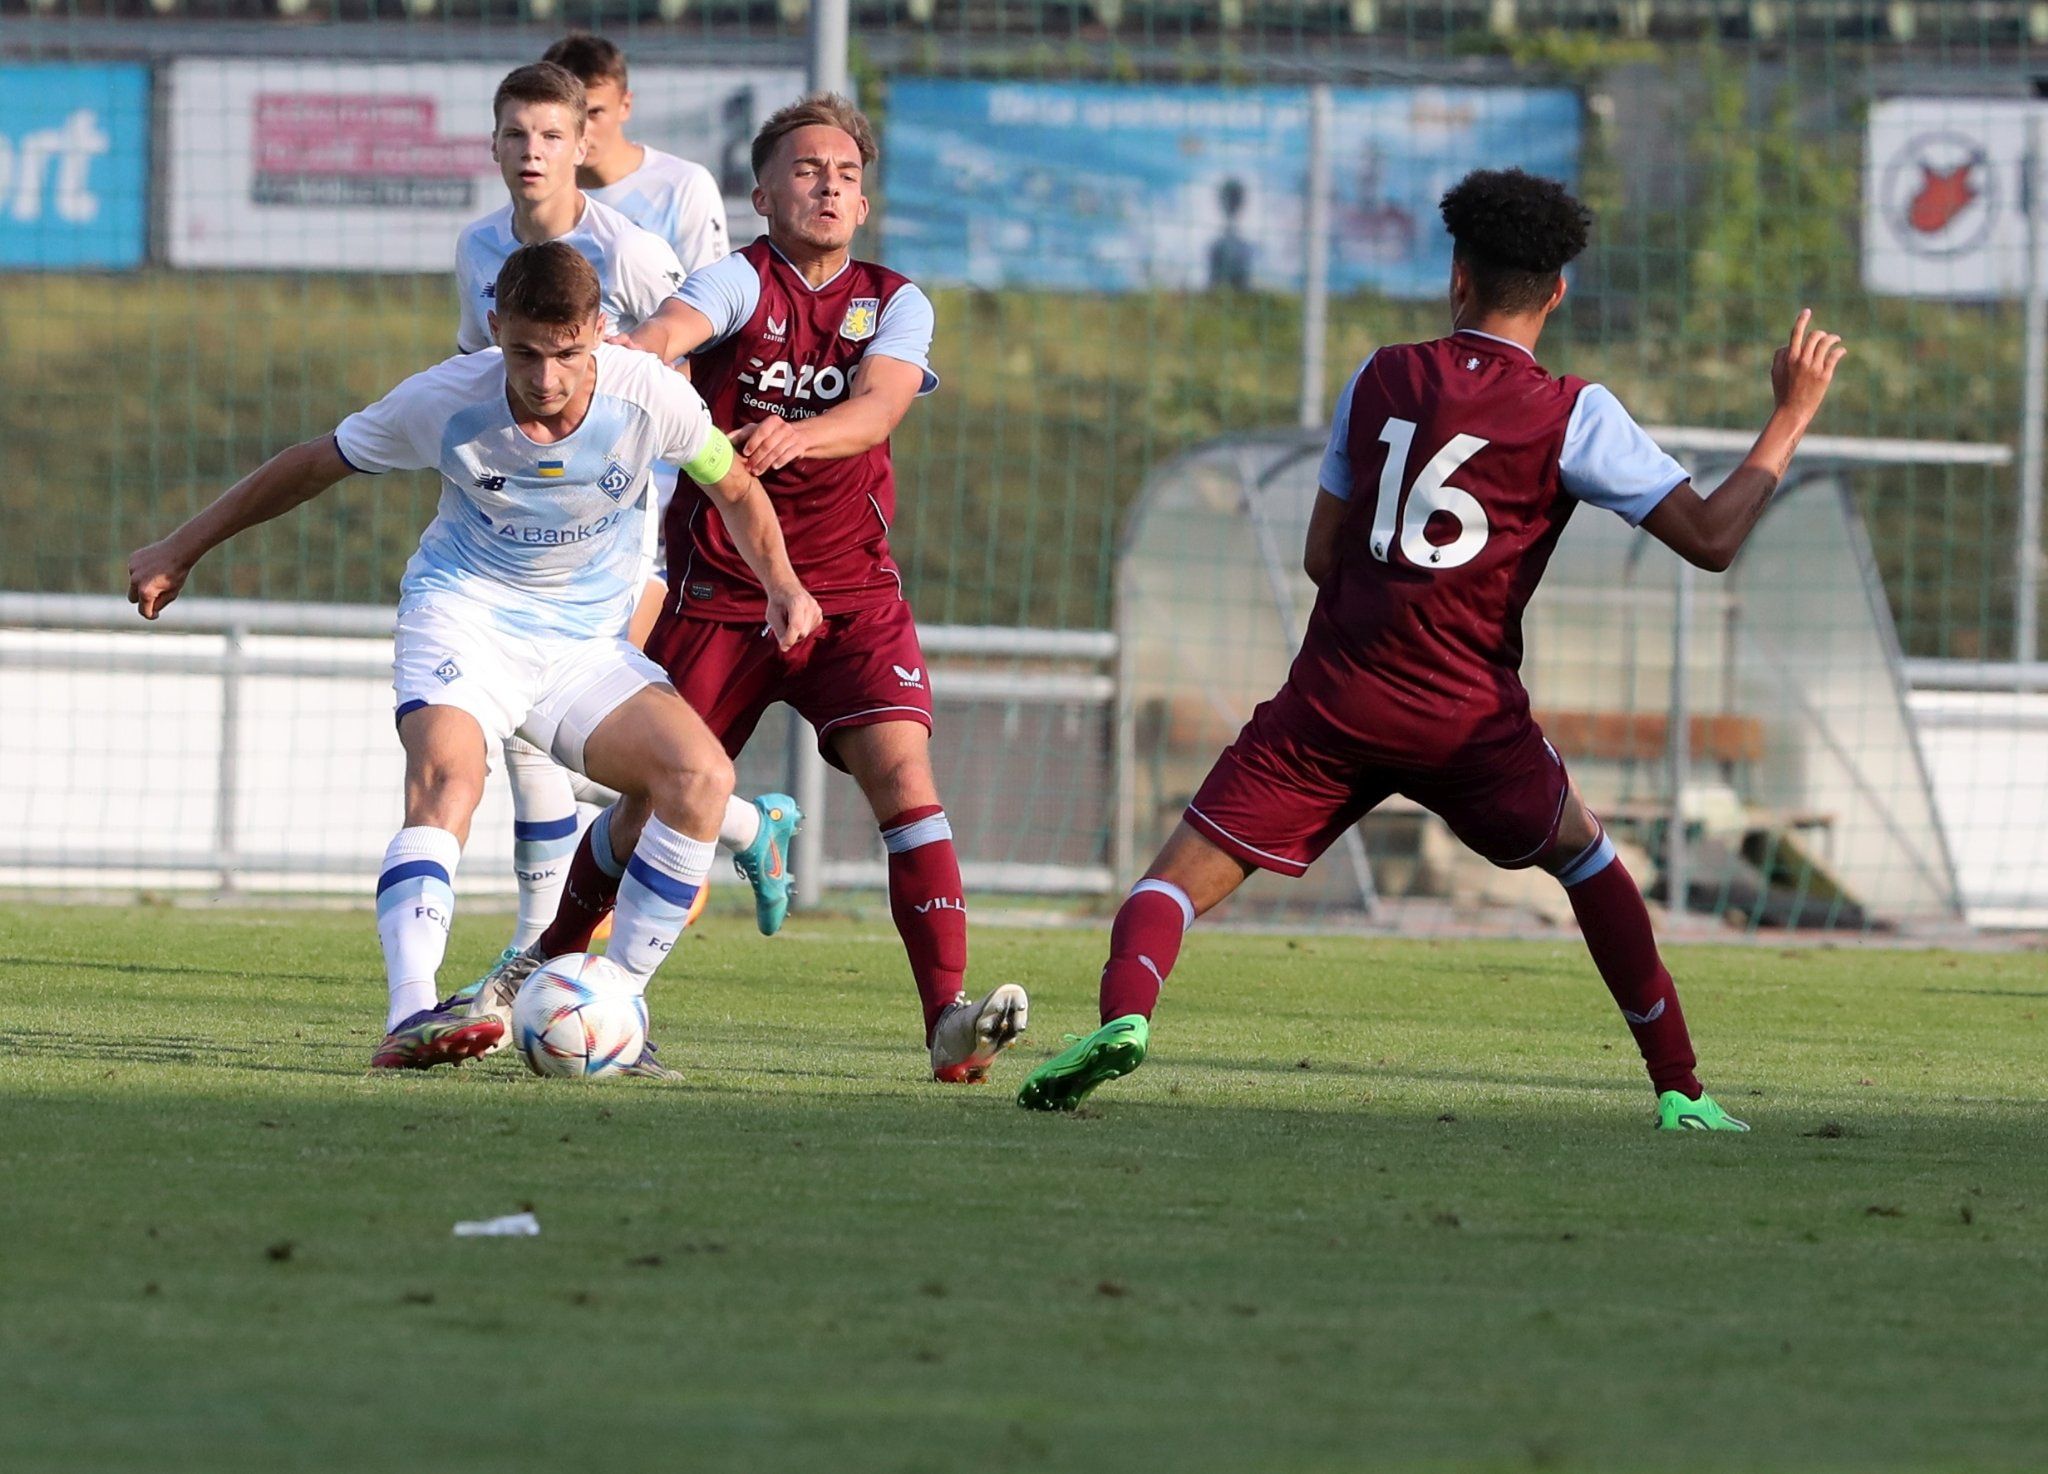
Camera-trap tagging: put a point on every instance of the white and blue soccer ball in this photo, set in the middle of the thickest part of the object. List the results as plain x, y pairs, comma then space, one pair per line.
579, 1017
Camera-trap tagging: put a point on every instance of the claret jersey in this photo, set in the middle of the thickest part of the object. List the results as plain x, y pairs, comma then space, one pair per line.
784, 348
1461, 461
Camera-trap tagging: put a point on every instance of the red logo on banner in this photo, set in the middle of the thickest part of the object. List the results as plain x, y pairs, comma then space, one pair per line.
316, 148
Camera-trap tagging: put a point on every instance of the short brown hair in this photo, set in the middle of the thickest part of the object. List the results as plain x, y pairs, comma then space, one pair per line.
543, 81
549, 283
826, 108
591, 58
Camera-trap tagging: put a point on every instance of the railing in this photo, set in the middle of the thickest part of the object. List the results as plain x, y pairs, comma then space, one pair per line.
240, 641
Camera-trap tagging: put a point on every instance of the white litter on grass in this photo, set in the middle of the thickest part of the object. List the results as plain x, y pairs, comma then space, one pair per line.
511, 1226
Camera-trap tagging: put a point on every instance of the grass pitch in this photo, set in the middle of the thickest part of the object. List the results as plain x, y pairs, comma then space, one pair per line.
1372, 1205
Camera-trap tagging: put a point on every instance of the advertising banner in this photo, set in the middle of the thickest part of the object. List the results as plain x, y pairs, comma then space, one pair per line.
1944, 203
1124, 188
375, 167
74, 166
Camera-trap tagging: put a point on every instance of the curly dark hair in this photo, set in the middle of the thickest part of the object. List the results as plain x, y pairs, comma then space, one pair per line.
1514, 232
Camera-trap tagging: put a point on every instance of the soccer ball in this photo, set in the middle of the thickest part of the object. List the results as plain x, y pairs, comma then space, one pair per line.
580, 1017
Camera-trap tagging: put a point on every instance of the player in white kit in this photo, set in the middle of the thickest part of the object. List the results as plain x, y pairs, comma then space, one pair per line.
674, 198
512, 613
540, 140
669, 196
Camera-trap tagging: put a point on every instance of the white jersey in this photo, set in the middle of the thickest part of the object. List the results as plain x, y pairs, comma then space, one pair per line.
637, 270
677, 200
544, 539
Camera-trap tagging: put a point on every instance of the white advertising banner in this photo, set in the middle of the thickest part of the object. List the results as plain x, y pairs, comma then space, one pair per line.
347, 166
1944, 197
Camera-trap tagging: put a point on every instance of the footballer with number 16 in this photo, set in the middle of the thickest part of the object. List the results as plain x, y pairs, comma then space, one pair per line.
1451, 471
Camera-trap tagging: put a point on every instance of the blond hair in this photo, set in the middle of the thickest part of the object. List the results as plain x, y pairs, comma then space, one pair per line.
819, 109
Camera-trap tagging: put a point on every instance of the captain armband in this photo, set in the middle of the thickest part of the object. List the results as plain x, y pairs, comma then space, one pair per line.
709, 465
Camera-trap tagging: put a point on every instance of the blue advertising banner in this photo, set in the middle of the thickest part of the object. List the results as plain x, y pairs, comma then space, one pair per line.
74, 166
1123, 188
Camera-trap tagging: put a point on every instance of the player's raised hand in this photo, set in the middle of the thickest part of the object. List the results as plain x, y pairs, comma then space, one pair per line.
770, 444
793, 616
155, 575
1802, 370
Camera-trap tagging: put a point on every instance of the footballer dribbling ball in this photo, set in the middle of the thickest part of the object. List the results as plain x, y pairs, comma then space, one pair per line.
578, 1017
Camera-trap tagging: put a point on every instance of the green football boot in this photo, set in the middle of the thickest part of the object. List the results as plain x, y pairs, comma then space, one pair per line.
1064, 1081
764, 864
1676, 1113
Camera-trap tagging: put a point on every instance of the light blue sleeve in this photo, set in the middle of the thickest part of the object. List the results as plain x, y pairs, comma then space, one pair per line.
402, 431
1611, 461
905, 333
1335, 476
727, 292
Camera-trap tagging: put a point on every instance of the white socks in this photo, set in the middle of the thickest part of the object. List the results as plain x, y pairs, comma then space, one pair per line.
543, 834
415, 903
656, 895
742, 824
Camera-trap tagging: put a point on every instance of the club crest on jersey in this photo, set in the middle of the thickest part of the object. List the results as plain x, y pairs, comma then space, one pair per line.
552, 469
614, 481
862, 314
447, 670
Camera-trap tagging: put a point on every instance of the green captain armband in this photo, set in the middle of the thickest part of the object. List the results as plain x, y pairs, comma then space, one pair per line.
709, 465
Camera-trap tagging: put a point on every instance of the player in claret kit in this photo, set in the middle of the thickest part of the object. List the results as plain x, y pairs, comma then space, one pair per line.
1451, 471
815, 357
512, 614
541, 141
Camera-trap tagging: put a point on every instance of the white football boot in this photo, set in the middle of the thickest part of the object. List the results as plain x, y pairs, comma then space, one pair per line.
970, 1035
491, 995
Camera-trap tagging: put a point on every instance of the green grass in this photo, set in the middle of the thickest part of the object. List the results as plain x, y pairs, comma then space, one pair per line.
1371, 1205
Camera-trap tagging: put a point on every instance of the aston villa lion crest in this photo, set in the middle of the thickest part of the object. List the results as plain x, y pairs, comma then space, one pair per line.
862, 313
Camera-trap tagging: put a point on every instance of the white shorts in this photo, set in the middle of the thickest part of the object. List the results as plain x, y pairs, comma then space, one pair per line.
551, 690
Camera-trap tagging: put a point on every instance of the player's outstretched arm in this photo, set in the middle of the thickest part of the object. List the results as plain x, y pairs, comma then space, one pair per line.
674, 332
756, 534
1709, 531
156, 573
883, 391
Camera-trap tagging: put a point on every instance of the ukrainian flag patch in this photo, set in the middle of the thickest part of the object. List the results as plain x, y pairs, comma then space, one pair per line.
551, 469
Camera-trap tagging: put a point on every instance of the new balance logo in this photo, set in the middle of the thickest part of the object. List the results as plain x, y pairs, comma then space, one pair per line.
1656, 1012
485, 481
940, 903
911, 677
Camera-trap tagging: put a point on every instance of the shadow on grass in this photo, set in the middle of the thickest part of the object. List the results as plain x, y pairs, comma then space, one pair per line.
168, 1049
175, 969
2036, 994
